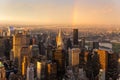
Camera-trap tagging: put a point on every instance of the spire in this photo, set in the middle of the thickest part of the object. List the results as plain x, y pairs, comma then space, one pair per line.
59, 40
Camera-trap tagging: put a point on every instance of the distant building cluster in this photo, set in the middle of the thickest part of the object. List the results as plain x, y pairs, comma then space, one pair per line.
28, 55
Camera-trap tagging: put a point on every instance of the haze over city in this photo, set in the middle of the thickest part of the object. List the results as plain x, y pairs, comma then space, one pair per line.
59, 39
73, 12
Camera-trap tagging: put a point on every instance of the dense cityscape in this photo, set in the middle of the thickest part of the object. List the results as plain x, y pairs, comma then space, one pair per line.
59, 39
61, 53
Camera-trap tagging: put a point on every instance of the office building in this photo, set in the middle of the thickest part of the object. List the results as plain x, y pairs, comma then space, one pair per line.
30, 72
83, 42
51, 70
20, 47
39, 67
41, 48
10, 31
75, 36
34, 51
19, 40
74, 56
95, 45
59, 56
68, 44
24, 59
103, 61
24, 66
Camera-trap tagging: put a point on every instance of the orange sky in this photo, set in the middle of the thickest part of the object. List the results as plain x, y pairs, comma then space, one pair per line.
60, 11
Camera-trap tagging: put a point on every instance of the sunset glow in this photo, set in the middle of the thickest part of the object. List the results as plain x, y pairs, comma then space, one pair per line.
60, 12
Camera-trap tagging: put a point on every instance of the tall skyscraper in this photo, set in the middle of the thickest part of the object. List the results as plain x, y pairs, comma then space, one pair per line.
74, 56
103, 55
24, 66
75, 36
69, 43
24, 58
39, 67
51, 71
2, 72
19, 40
41, 48
30, 72
34, 51
59, 56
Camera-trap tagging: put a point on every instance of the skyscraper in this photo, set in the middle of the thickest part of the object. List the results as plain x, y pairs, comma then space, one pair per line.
74, 56
103, 55
34, 51
83, 42
23, 60
51, 71
75, 36
39, 67
19, 40
20, 44
10, 31
95, 45
59, 56
30, 72
69, 43
24, 66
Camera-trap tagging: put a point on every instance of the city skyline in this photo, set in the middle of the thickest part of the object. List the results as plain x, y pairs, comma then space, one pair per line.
71, 12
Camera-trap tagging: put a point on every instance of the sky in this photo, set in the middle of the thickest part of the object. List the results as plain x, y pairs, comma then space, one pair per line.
60, 12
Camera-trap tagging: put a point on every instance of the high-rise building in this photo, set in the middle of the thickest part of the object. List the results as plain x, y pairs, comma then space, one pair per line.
24, 59
39, 67
30, 72
83, 42
7, 45
103, 61
59, 56
75, 36
51, 70
19, 40
44, 67
112, 66
49, 52
41, 48
34, 51
10, 31
24, 66
69, 43
2, 72
95, 45
74, 56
